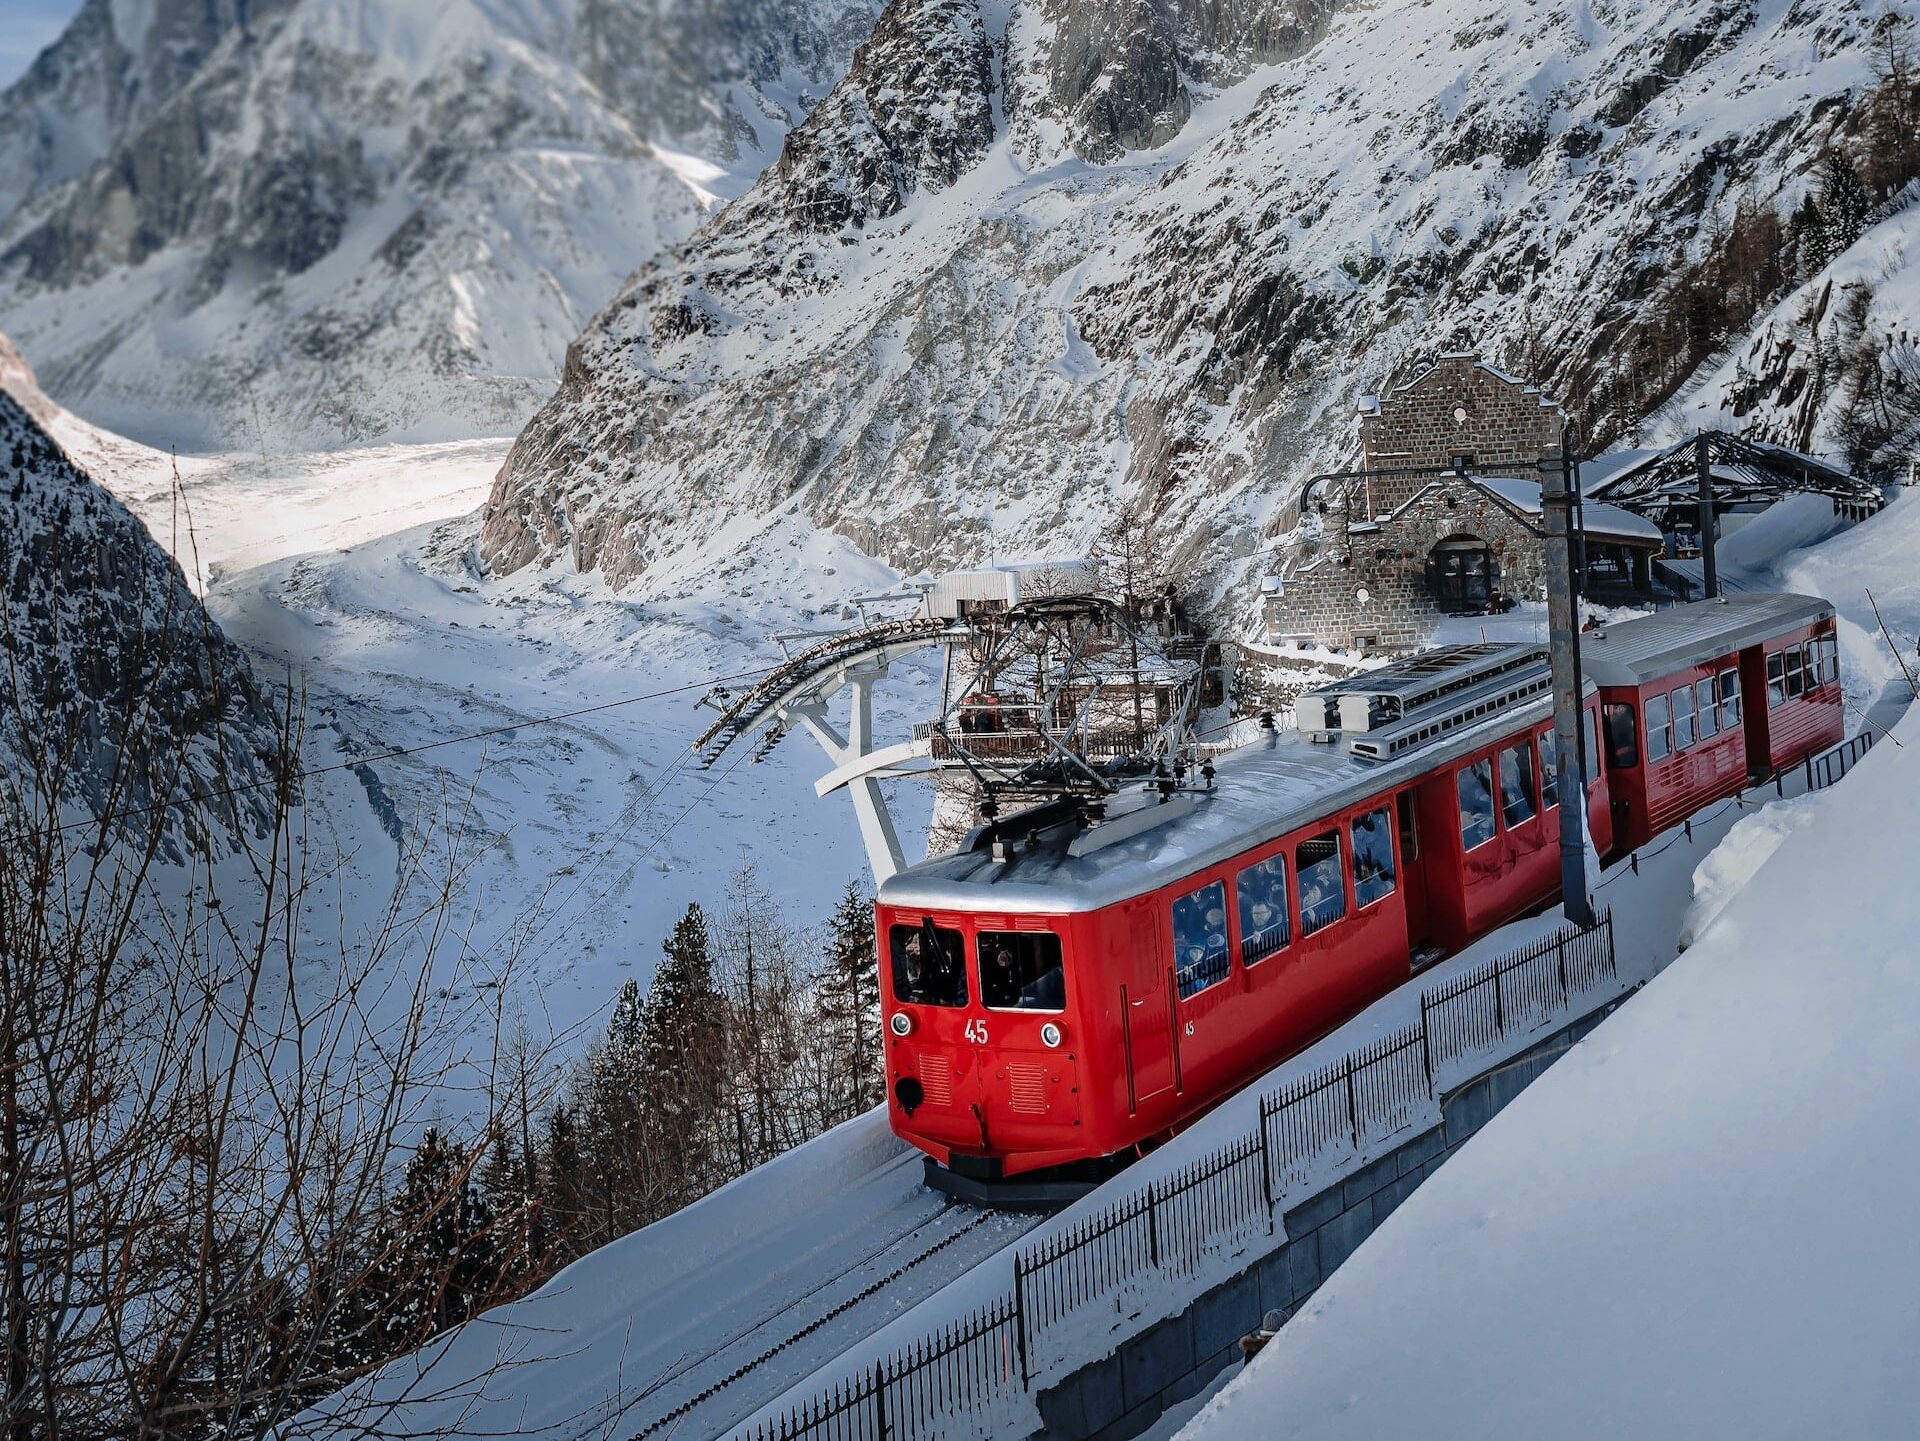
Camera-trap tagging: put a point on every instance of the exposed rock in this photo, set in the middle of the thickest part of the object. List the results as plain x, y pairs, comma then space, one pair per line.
117, 680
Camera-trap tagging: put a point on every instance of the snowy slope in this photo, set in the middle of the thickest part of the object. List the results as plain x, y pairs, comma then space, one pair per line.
325, 220
1696, 1223
956, 319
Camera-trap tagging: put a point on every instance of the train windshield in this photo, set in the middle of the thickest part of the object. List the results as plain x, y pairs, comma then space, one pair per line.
928, 965
1022, 971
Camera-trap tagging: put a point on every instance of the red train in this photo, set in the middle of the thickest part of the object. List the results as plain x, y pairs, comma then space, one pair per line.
1059, 996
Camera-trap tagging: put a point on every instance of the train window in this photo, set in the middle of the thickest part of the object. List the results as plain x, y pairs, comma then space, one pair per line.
1200, 939
1593, 743
928, 965
1683, 718
1373, 873
1549, 769
1776, 680
1659, 729
1021, 971
1623, 746
1262, 894
1476, 803
1409, 827
1323, 887
1796, 673
1516, 784
1829, 658
1729, 699
1709, 706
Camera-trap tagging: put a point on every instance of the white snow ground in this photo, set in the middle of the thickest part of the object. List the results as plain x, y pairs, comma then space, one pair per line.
1697, 1224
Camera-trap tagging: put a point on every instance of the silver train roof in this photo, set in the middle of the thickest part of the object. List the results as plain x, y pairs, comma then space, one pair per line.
1283, 782
1636, 651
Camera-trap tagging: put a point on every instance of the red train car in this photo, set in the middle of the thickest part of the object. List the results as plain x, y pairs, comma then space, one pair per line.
1058, 994
1704, 698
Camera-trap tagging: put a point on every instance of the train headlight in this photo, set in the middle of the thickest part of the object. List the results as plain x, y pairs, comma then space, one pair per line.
1051, 1035
900, 1024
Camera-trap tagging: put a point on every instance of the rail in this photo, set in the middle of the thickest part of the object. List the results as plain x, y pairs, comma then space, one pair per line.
1219, 1202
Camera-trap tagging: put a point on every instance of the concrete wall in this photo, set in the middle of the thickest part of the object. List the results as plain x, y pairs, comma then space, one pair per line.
1173, 1360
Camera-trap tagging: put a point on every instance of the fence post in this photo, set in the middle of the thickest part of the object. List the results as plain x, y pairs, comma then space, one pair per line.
1353, 1111
1266, 1164
1499, 999
1020, 1316
880, 1400
1153, 1226
1566, 996
1426, 1044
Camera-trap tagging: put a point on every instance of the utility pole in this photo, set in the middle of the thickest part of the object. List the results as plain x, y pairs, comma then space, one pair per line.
1563, 654
1703, 473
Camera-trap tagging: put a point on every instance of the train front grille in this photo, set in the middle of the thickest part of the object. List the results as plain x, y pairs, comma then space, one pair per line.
1027, 1088
936, 1079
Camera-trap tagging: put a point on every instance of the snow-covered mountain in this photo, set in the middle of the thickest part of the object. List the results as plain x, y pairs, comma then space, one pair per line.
120, 690
318, 221
1035, 262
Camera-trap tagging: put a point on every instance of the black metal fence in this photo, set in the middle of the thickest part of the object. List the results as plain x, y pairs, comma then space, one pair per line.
1829, 767
1516, 992
957, 1371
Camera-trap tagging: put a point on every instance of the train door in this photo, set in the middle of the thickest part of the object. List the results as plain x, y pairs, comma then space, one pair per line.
1753, 709
1146, 1009
1413, 874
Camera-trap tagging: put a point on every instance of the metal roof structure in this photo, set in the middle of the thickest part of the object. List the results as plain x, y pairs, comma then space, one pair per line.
1740, 472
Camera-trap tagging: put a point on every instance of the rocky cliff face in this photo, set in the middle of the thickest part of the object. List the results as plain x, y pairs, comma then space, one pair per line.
1194, 236
119, 690
310, 221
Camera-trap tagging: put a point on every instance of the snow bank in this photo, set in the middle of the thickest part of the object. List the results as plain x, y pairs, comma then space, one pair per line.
1696, 1224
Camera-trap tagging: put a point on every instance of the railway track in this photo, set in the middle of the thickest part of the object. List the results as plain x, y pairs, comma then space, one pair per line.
752, 1350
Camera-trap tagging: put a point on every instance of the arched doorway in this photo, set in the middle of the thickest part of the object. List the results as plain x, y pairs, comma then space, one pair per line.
1463, 575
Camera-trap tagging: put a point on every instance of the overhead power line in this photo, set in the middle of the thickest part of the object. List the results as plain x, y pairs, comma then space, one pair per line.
313, 773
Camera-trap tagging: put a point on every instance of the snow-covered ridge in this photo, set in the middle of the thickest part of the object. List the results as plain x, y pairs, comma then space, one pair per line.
1004, 353
326, 220
120, 691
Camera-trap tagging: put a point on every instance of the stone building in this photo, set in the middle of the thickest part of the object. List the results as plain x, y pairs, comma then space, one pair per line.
1442, 516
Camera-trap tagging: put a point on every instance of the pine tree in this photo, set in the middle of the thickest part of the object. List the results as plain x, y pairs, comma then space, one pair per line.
849, 989
562, 1188
1844, 203
681, 1053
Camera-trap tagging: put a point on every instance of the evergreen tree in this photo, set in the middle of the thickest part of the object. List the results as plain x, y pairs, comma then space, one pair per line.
682, 1056
1844, 203
849, 989
562, 1191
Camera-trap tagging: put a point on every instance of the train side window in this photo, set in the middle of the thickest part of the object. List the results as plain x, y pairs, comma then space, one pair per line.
1623, 746
1373, 872
1776, 680
1709, 708
1475, 783
1516, 784
1200, 939
1729, 699
1549, 769
1262, 895
1829, 658
1683, 718
1593, 744
1323, 886
1659, 728
1021, 971
929, 968
1796, 673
